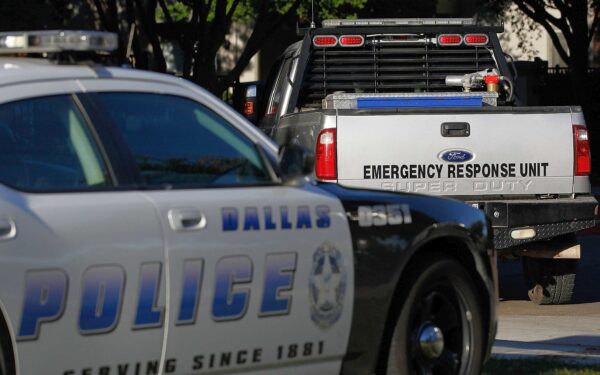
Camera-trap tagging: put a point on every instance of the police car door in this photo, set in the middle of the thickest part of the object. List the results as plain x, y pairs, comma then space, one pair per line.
260, 275
78, 257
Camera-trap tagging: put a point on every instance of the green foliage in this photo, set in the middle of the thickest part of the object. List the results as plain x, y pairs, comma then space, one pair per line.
398, 9
325, 9
178, 10
247, 10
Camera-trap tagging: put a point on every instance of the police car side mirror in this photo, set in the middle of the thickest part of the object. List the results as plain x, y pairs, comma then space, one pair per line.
295, 161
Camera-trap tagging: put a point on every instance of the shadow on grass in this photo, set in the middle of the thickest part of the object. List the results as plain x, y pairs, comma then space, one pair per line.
585, 344
497, 366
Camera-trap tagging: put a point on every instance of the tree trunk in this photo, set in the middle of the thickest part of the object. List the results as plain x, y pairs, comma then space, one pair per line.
149, 36
205, 73
578, 64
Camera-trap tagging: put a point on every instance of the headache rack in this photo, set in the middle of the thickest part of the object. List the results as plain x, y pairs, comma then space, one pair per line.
389, 63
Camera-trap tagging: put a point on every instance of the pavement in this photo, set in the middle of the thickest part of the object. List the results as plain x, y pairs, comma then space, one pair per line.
566, 332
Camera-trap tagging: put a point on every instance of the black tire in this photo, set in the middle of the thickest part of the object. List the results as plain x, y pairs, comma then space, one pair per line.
439, 292
7, 364
550, 281
3, 368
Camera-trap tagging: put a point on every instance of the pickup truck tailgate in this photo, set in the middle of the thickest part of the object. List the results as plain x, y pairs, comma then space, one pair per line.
481, 153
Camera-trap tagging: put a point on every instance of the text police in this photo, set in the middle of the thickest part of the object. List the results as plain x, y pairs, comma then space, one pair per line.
104, 284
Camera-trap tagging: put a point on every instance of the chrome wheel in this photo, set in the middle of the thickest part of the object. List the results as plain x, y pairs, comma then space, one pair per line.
439, 329
431, 341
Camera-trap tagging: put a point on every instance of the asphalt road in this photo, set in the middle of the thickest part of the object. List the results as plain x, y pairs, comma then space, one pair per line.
571, 332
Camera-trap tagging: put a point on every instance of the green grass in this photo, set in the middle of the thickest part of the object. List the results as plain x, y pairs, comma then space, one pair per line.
537, 367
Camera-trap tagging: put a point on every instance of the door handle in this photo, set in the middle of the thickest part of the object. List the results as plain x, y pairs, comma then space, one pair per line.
8, 229
456, 129
186, 219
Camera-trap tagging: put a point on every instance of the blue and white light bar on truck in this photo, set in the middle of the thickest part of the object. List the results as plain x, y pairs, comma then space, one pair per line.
428, 106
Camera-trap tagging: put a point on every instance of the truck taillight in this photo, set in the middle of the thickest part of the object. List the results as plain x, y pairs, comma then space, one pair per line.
325, 155
248, 108
325, 40
352, 40
582, 151
476, 39
450, 39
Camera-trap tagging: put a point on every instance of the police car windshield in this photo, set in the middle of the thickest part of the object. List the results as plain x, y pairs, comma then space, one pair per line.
177, 142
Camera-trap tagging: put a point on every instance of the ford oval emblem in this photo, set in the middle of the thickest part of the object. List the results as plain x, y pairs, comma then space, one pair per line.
456, 156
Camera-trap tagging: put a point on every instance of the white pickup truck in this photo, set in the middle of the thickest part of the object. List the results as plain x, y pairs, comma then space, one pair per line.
427, 106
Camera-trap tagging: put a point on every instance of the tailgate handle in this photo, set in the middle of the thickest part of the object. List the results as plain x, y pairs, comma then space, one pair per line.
456, 129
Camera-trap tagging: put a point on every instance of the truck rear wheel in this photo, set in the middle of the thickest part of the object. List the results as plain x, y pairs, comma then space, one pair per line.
550, 281
439, 328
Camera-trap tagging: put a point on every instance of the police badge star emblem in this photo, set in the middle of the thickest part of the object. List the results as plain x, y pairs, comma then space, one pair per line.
327, 286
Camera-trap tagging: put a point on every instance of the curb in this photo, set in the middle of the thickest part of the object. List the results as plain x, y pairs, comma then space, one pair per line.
562, 358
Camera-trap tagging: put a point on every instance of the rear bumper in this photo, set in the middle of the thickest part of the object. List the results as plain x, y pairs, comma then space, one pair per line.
549, 218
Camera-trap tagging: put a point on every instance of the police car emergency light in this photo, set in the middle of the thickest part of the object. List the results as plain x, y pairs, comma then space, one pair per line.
57, 41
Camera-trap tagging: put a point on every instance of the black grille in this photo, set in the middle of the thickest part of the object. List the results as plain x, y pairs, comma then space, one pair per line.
385, 68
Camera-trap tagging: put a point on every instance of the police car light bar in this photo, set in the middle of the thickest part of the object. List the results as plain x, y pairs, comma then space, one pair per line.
57, 41
401, 22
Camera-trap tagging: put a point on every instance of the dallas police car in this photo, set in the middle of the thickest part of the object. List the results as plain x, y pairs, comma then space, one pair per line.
147, 228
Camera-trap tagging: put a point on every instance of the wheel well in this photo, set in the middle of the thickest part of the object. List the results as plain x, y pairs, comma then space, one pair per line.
7, 354
453, 247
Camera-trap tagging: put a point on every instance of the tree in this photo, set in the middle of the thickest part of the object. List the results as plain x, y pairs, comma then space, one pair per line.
524, 31
33, 14
578, 20
204, 31
200, 28
133, 18
399, 9
572, 21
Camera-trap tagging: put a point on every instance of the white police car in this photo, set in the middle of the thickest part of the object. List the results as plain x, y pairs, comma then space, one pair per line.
147, 228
